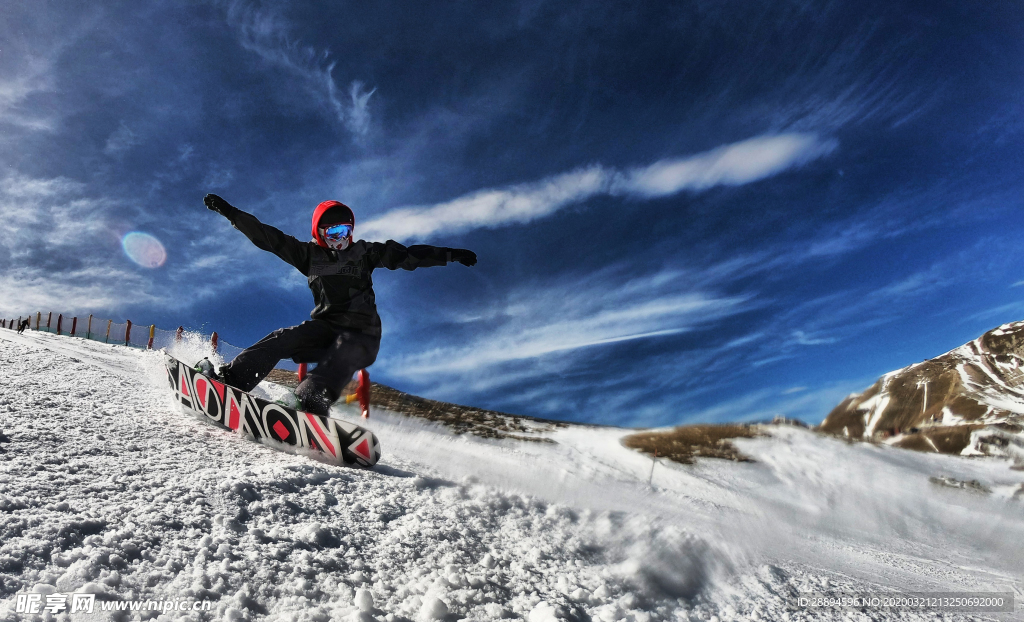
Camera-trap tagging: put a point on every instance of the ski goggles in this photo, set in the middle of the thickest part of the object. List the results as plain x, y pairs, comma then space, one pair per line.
338, 232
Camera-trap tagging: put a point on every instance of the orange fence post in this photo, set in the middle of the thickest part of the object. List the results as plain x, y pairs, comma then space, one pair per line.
59, 329
364, 392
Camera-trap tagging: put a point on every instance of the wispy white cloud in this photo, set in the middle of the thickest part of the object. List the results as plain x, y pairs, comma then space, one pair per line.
743, 341
267, 34
35, 74
556, 329
28, 290
1004, 311
552, 329
581, 330
357, 117
53, 245
61, 249
730, 165
35, 37
853, 313
120, 141
563, 321
29, 188
218, 177
800, 337
851, 236
491, 208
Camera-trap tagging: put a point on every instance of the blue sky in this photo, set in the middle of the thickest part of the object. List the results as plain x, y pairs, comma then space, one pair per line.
688, 211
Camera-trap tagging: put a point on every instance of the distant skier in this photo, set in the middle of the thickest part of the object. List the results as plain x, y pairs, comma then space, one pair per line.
343, 334
22, 326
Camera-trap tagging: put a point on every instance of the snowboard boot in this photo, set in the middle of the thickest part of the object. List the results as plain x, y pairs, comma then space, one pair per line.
314, 401
206, 368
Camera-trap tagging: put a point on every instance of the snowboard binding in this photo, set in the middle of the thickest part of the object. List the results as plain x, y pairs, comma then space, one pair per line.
362, 394
206, 368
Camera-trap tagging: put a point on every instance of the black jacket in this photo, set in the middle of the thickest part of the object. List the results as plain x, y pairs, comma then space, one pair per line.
340, 280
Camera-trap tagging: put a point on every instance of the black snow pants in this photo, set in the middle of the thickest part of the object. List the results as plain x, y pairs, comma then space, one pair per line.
337, 354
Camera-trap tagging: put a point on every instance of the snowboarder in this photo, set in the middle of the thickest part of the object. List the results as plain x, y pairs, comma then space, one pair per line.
22, 326
343, 334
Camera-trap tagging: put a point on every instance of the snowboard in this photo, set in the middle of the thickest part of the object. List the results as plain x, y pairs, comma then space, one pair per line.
270, 423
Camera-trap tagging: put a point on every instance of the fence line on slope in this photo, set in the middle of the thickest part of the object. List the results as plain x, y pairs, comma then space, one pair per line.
108, 331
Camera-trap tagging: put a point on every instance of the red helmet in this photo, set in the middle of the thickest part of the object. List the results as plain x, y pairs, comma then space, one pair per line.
330, 213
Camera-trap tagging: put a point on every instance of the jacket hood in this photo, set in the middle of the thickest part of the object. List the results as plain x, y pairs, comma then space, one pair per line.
342, 214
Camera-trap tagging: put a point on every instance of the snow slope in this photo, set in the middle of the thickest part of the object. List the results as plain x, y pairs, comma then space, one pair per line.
106, 487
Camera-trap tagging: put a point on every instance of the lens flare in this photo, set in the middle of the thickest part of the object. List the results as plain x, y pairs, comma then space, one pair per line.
144, 249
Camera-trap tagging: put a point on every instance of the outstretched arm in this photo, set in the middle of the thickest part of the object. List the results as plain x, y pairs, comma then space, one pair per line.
265, 237
392, 255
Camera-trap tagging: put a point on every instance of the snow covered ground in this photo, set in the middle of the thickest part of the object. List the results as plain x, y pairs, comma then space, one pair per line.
106, 488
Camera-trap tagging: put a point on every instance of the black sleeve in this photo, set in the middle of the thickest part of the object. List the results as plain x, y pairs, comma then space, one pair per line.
271, 239
392, 255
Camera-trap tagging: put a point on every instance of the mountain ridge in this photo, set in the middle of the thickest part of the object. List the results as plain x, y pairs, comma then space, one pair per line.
968, 401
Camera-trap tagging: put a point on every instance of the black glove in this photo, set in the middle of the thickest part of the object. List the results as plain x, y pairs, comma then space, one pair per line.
218, 204
464, 257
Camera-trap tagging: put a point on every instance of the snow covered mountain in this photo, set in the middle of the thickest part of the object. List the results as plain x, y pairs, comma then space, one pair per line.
967, 401
107, 489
